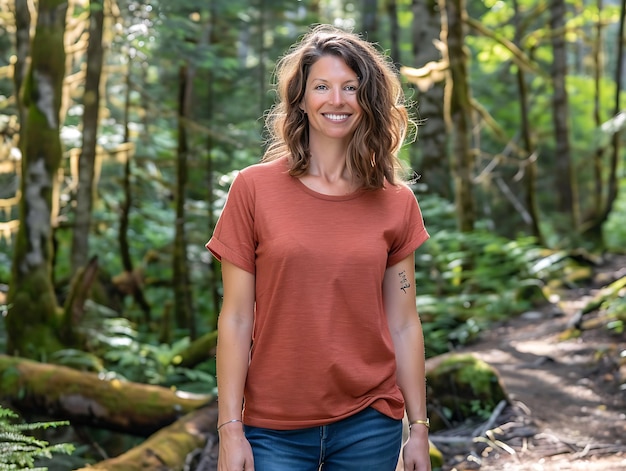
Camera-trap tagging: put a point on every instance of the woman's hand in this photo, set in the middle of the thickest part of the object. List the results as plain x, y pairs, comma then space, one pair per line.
235, 453
416, 451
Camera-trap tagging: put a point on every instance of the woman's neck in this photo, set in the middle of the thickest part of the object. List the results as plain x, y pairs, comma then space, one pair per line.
329, 174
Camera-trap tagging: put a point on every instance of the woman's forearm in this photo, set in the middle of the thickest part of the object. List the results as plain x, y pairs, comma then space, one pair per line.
232, 358
411, 376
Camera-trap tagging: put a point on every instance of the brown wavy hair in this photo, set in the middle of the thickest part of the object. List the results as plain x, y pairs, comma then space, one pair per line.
372, 152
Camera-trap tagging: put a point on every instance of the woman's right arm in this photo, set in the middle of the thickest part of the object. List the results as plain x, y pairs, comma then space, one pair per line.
234, 337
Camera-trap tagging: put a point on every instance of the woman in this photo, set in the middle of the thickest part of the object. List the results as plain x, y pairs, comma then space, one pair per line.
320, 347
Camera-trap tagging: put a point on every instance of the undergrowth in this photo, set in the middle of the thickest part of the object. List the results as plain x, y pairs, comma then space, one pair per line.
20, 451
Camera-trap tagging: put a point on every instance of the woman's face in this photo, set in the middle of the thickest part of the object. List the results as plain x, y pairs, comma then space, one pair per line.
330, 99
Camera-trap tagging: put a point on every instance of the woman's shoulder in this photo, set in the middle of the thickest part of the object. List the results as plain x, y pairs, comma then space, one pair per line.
399, 189
264, 170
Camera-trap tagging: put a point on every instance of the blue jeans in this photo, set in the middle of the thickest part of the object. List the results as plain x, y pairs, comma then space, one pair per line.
367, 441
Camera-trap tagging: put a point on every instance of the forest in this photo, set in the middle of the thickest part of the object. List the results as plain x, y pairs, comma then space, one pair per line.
123, 123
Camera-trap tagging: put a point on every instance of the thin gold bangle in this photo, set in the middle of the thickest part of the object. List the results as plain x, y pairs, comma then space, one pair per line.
228, 422
426, 423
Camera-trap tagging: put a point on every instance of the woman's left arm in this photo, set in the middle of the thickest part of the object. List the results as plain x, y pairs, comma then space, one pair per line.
408, 340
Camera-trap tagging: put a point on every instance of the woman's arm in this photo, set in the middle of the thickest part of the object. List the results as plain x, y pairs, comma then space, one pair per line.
408, 341
234, 337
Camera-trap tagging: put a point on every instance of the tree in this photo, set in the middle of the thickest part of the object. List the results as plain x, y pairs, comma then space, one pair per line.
22, 47
432, 135
33, 313
459, 112
566, 203
369, 23
182, 292
86, 163
526, 134
606, 193
394, 31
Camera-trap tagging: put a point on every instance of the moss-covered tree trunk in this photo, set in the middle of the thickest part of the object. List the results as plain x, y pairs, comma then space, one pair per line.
459, 107
33, 311
86, 398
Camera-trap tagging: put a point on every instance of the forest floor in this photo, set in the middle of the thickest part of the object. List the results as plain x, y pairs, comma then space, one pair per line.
568, 396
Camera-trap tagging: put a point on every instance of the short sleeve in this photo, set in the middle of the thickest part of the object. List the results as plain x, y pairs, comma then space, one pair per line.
412, 231
234, 236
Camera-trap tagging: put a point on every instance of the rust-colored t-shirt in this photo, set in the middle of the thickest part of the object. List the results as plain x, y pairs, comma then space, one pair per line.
321, 347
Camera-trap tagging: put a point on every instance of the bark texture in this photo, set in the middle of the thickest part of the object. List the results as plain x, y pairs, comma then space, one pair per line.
88, 399
459, 108
86, 164
33, 311
566, 203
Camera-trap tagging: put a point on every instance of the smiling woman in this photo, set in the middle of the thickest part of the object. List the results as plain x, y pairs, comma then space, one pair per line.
318, 336
330, 103
369, 77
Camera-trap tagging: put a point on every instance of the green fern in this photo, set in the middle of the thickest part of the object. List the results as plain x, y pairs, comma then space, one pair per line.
19, 451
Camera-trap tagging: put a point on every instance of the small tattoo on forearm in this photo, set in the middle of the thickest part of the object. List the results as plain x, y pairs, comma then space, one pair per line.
404, 281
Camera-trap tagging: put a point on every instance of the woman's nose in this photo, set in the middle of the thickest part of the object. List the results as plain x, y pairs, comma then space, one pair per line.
336, 96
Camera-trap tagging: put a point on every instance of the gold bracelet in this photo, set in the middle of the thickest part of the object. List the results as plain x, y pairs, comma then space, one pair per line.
426, 423
228, 422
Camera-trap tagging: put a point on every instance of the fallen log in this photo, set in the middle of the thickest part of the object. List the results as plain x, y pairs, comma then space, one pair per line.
610, 291
85, 398
170, 449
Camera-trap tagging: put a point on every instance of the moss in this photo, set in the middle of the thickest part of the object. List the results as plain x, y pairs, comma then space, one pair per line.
10, 377
465, 387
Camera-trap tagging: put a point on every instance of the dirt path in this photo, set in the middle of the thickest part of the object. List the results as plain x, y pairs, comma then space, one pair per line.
569, 396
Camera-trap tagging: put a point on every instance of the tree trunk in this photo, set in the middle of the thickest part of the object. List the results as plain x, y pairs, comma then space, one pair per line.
592, 214
22, 49
394, 32
432, 134
566, 203
613, 183
86, 163
262, 58
86, 399
595, 227
33, 314
183, 311
598, 67
127, 262
74, 308
213, 277
459, 109
369, 26
530, 176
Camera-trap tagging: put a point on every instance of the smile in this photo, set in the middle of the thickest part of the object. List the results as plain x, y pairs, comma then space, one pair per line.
337, 117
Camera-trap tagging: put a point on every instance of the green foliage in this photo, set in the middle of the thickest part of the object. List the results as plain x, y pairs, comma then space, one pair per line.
614, 228
19, 451
118, 350
466, 281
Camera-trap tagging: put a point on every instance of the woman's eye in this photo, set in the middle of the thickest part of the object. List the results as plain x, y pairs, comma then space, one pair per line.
321, 87
351, 88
